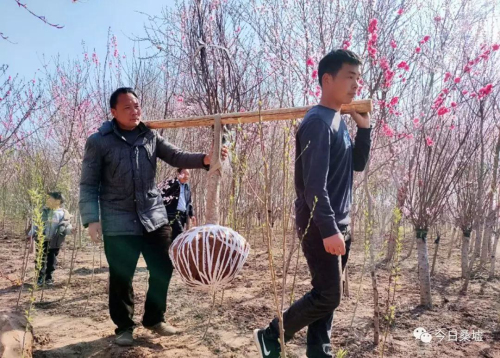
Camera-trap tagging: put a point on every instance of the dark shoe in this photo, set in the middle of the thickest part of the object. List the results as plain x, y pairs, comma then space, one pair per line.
267, 348
40, 282
124, 339
163, 329
49, 282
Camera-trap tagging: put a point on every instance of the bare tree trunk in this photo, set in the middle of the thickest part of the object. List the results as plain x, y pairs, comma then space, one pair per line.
488, 230
452, 241
438, 239
465, 253
493, 255
214, 178
423, 268
391, 244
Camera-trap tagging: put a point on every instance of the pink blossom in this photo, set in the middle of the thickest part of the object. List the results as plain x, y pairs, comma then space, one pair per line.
314, 74
384, 64
467, 68
457, 80
437, 18
372, 27
427, 38
486, 90
418, 50
394, 101
453, 104
442, 111
464, 92
404, 65
388, 131
429, 141
389, 75
438, 102
310, 62
447, 76
393, 44
400, 12
452, 126
473, 95
416, 122
495, 47
346, 44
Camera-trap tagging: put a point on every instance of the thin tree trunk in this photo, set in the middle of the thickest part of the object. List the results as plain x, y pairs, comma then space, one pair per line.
493, 255
488, 230
477, 241
465, 253
452, 241
434, 259
423, 269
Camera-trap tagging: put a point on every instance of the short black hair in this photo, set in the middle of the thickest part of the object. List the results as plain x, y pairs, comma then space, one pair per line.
57, 195
179, 170
334, 60
113, 100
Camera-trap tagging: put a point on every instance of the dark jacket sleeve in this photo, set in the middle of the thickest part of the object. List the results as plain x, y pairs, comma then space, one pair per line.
90, 181
314, 138
361, 150
176, 157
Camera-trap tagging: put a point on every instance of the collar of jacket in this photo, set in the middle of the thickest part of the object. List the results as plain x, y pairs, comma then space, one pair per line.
112, 127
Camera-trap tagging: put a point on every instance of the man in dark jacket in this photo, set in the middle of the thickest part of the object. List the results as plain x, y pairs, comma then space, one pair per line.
118, 189
176, 195
324, 165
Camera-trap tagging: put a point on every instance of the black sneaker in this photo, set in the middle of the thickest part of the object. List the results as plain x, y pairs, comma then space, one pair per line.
49, 282
40, 282
267, 348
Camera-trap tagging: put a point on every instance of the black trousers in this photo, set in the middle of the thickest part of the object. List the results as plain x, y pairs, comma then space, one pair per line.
177, 221
315, 309
49, 262
122, 253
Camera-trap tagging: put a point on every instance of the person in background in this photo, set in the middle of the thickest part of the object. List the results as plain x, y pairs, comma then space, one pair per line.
176, 196
56, 226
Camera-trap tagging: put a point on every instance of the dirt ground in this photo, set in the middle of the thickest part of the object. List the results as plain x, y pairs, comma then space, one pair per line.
78, 324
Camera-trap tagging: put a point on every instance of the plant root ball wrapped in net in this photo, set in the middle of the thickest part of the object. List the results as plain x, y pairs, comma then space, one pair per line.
208, 257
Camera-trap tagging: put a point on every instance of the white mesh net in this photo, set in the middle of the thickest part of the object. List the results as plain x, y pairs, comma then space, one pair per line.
208, 257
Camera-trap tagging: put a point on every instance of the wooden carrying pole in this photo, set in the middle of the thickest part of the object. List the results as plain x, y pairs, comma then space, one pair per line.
360, 106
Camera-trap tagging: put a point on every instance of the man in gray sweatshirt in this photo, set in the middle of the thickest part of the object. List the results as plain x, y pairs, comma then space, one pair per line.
325, 161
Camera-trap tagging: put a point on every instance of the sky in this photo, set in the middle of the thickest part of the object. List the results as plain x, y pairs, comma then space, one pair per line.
85, 20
